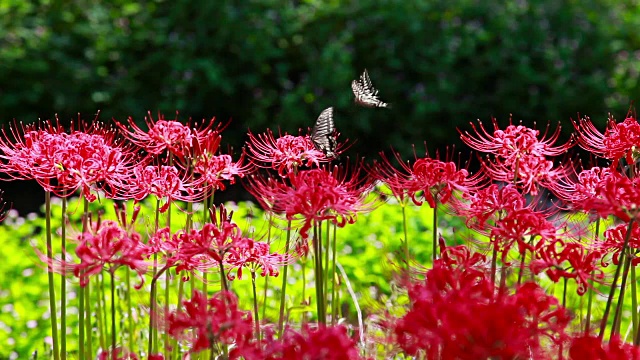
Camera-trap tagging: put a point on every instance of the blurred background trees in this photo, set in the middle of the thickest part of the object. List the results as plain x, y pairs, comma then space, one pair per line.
277, 64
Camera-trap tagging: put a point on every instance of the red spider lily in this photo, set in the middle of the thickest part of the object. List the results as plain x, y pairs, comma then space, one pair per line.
432, 179
454, 314
254, 255
587, 347
620, 140
616, 195
528, 229
212, 322
213, 170
614, 240
167, 135
106, 247
569, 261
165, 183
317, 195
327, 343
492, 202
285, 154
90, 160
518, 156
579, 187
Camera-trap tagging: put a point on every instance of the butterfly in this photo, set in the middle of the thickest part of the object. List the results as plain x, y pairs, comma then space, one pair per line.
366, 95
323, 134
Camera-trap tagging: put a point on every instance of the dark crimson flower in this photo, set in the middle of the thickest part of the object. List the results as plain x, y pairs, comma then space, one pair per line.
619, 141
285, 153
216, 322
517, 155
326, 343
167, 135
254, 255
455, 314
588, 347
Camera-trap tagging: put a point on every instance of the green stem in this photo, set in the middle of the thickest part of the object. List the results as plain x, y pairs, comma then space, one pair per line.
100, 312
52, 291
612, 291
255, 305
131, 337
435, 231
326, 268
317, 246
587, 326
615, 329
634, 302
89, 325
63, 283
333, 277
405, 243
152, 345
113, 316
284, 283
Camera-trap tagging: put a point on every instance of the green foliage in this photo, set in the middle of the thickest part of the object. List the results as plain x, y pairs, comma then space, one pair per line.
278, 64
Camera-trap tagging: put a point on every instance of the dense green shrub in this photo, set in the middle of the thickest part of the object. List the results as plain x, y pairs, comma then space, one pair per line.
276, 63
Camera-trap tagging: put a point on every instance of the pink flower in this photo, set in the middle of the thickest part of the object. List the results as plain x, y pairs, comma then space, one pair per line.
254, 255
285, 154
619, 141
165, 183
167, 135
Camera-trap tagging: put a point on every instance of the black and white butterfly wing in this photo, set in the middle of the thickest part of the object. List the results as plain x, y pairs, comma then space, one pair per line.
365, 94
323, 134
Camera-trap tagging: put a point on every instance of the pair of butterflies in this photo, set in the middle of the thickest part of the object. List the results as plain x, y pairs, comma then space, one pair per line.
323, 134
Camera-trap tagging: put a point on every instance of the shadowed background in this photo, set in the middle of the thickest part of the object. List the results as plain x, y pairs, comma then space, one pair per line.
278, 64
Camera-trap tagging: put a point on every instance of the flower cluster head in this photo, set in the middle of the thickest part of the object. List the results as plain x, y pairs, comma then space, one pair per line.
427, 179
314, 195
619, 141
254, 255
456, 314
214, 322
286, 154
518, 156
164, 182
90, 159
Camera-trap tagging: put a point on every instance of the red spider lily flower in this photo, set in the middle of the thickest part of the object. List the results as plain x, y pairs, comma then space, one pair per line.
254, 255
285, 154
518, 156
454, 314
213, 170
569, 261
619, 141
165, 183
577, 188
614, 240
105, 247
167, 135
528, 229
90, 160
431, 179
492, 202
319, 194
616, 195
328, 343
588, 347
216, 321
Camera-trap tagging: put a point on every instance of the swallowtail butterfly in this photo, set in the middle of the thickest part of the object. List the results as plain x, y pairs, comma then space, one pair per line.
323, 134
366, 95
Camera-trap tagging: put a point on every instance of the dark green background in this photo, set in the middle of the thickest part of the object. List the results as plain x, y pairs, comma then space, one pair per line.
278, 64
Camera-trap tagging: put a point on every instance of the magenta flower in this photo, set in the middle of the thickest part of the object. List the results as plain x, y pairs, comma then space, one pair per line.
619, 141
327, 342
517, 155
285, 154
167, 135
254, 255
